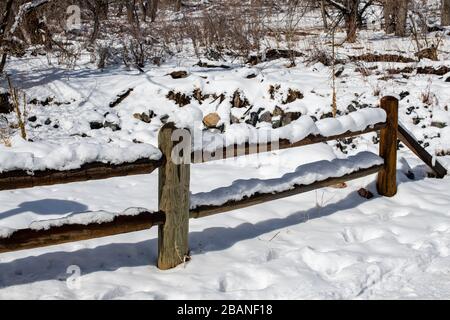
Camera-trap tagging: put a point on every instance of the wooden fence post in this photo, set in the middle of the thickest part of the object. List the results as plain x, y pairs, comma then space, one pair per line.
387, 178
174, 178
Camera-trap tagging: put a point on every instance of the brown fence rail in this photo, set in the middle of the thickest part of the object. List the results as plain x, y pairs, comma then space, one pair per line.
174, 210
19, 179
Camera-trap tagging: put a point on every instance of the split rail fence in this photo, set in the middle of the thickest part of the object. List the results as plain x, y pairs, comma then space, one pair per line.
174, 212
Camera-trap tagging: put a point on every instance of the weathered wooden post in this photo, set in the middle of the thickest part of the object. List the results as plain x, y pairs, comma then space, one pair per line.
387, 178
174, 177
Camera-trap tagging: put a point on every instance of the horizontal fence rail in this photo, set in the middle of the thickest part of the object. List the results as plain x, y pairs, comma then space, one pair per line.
259, 198
19, 179
30, 239
248, 149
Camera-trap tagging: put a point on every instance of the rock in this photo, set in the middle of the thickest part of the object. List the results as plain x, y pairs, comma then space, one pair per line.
273, 54
253, 119
326, 115
277, 124
417, 120
293, 95
238, 102
5, 105
179, 74
32, 119
112, 125
121, 97
251, 76
96, 125
144, 117
278, 112
351, 108
234, 119
48, 122
288, 117
404, 94
265, 117
448, 79
339, 72
180, 98
164, 118
438, 124
365, 193
211, 120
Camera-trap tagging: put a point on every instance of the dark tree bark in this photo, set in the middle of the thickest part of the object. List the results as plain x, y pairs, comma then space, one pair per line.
3, 24
445, 13
178, 5
324, 14
395, 16
153, 9
389, 16
351, 19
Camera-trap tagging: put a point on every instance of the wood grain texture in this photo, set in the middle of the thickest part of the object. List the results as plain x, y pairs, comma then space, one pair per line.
174, 197
29, 239
419, 151
246, 149
387, 178
93, 171
260, 198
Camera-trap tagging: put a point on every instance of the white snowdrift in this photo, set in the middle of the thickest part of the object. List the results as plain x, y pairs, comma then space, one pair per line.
38, 156
303, 175
294, 132
83, 218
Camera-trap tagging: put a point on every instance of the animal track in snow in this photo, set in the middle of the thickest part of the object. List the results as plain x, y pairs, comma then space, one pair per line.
326, 263
361, 234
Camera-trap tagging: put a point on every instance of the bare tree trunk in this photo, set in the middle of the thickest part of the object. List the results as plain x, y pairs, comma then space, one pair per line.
395, 16
445, 13
130, 11
389, 16
5, 18
401, 18
324, 14
153, 9
3, 24
351, 20
178, 5
103, 9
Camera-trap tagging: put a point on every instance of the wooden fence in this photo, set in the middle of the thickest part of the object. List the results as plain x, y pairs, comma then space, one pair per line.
174, 212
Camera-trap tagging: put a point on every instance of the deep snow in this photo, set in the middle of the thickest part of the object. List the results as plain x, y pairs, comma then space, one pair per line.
327, 244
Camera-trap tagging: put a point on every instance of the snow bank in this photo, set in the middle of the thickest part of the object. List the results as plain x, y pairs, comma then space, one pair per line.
38, 156
6, 232
303, 175
294, 132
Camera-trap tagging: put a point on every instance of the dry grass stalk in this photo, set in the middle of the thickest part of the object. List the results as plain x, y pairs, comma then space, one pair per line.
20, 119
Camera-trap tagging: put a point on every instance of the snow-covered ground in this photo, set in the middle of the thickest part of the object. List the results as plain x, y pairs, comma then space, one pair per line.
330, 243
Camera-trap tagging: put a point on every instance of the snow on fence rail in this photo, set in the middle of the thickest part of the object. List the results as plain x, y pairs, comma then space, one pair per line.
177, 206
